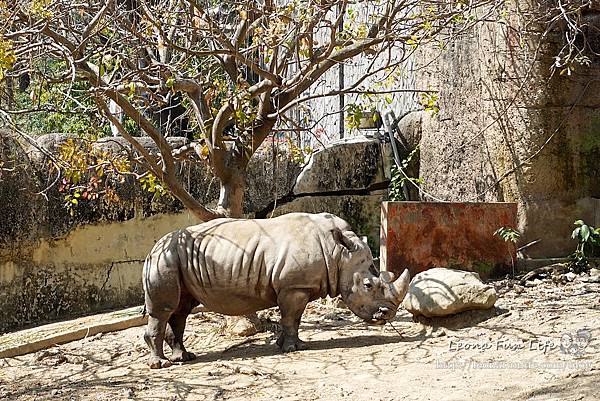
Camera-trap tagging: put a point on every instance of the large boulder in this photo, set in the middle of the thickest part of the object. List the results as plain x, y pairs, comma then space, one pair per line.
361, 211
411, 128
351, 164
443, 292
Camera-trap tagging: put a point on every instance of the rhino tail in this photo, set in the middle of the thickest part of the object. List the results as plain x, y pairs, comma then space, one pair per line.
162, 276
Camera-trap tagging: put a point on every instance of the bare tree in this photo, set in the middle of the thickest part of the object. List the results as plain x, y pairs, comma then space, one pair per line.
236, 68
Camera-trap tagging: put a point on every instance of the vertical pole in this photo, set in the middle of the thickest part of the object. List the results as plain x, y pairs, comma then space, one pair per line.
341, 81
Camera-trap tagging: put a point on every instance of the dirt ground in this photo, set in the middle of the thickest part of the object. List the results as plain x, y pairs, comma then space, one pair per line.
522, 350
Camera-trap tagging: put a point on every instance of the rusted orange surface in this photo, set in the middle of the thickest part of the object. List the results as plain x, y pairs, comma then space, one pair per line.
422, 235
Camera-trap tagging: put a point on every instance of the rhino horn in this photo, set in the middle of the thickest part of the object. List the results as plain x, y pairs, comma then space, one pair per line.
399, 287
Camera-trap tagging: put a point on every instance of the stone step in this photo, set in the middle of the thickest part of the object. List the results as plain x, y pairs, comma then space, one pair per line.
45, 336
41, 337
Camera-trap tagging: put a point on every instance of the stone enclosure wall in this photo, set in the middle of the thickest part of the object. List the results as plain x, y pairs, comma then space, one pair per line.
510, 130
54, 265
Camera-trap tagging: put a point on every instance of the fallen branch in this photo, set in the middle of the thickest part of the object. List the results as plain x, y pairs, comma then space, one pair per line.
557, 267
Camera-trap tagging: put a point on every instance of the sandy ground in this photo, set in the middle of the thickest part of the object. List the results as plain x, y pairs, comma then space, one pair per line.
511, 353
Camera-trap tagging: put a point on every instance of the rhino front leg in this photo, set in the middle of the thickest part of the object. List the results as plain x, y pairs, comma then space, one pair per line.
291, 305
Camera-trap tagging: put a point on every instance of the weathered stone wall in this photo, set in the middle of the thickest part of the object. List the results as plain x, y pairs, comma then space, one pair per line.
54, 265
509, 130
93, 267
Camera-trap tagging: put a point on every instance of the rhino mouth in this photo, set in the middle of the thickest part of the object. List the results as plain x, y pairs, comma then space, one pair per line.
378, 319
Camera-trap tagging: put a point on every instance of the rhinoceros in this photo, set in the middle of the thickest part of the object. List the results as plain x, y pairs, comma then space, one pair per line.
238, 266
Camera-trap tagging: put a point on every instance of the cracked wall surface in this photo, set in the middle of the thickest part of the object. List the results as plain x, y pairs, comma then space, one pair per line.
508, 129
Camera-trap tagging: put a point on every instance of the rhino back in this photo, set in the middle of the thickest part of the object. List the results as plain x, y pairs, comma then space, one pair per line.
239, 266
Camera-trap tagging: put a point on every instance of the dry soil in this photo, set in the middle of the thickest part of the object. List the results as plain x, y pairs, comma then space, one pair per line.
511, 353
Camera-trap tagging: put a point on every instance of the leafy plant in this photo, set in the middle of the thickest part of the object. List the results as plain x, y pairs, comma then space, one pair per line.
429, 101
90, 173
7, 56
585, 235
71, 201
398, 179
354, 113
510, 236
297, 153
153, 185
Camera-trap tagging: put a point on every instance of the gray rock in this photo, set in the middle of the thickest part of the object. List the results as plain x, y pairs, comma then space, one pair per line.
593, 277
355, 163
361, 212
269, 178
442, 292
570, 276
411, 127
533, 283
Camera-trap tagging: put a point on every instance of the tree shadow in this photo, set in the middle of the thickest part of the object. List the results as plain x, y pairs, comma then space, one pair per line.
461, 320
249, 351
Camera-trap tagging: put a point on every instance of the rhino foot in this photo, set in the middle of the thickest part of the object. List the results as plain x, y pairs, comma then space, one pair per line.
158, 363
183, 356
291, 344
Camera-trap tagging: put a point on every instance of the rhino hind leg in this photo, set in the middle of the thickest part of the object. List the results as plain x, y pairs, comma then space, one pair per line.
162, 294
154, 336
291, 305
176, 327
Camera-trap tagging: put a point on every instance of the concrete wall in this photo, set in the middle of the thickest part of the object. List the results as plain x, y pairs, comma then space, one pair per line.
53, 265
509, 130
93, 267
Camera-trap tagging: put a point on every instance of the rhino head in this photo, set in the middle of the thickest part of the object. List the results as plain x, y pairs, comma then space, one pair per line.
371, 295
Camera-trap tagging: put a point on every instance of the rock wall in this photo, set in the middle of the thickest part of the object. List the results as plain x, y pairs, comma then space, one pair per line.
54, 265
510, 130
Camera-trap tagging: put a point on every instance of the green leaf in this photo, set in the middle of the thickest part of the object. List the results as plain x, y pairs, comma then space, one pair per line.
579, 223
585, 233
131, 89
575, 233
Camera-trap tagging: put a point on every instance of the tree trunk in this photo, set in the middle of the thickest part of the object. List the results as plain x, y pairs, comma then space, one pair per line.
231, 197
231, 204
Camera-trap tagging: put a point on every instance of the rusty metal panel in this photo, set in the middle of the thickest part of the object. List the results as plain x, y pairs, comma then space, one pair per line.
422, 235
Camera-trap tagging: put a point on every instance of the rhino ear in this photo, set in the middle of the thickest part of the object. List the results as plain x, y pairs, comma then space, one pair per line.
357, 280
342, 240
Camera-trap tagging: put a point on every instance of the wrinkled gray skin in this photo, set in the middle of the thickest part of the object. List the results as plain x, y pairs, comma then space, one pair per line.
236, 267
